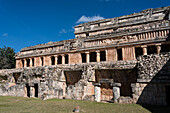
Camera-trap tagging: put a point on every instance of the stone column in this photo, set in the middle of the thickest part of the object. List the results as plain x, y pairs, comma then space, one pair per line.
32, 91
144, 49
30, 62
50, 62
87, 56
158, 47
25, 63
97, 92
25, 91
116, 91
106, 54
56, 59
63, 59
98, 55
40, 59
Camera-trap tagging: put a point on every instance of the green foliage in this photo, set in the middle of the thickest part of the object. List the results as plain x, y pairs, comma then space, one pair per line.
7, 58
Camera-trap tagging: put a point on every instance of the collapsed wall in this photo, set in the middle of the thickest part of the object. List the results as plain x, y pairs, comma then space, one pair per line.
153, 83
64, 81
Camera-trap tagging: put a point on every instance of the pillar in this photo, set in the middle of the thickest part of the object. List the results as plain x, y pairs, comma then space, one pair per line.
106, 54
144, 49
49, 61
116, 91
40, 59
162, 33
87, 57
158, 47
25, 63
56, 59
149, 35
165, 33
30, 62
98, 55
25, 91
32, 91
97, 92
63, 59
20, 66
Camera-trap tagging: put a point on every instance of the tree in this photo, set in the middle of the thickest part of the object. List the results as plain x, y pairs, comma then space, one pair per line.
7, 58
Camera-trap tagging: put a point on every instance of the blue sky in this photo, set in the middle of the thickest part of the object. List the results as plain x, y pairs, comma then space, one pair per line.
26, 23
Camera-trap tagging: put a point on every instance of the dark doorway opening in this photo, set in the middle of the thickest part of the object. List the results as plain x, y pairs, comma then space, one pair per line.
87, 34
42, 61
165, 48
125, 89
36, 90
92, 56
28, 90
52, 60
72, 77
124, 76
119, 54
167, 88
33, 62
151, 50
28, 62
83, 57
59, 61
138, 51
102, 56
16, 76
22, 63
66, 59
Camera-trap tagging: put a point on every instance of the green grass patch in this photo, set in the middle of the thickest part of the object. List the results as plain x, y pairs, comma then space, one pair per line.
34, 105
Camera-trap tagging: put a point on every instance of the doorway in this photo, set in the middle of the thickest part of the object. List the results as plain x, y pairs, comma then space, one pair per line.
167, 88
36, 90
28, 90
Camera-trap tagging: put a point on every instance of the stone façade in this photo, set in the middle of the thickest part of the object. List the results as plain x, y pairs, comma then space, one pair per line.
123, 60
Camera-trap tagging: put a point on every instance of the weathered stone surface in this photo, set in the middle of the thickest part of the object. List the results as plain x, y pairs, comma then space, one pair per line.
124, 59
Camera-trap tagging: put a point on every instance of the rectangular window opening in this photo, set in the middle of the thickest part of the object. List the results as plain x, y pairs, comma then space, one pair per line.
138, 51
93, 57
66, 59
22, 63
151, 50
59, 61
42, 61
83, 57
52, 60
119, 54
28, 62
102, 55
32, 61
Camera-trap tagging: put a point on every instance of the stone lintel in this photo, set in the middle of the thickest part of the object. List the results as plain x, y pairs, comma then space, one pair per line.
144, 46
116, 84
97, 84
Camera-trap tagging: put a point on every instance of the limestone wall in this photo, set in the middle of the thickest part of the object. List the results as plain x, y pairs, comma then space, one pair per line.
153, 77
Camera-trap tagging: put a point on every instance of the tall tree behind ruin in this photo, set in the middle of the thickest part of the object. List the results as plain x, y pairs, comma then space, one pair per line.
7, 58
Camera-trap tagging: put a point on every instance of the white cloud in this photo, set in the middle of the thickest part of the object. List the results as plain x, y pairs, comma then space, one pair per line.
88, 19
5, 34
63, 31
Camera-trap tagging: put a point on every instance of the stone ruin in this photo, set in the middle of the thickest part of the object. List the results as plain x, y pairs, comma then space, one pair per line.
123, 60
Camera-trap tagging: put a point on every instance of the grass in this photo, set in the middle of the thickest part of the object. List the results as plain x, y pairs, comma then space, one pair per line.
35, 105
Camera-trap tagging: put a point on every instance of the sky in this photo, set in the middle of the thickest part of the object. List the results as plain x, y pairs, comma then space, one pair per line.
25, 23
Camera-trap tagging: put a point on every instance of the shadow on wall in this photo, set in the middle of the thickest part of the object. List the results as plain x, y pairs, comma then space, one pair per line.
156, 92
